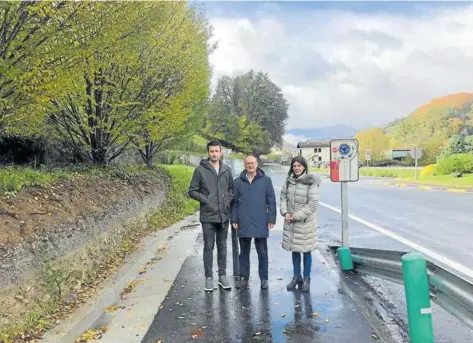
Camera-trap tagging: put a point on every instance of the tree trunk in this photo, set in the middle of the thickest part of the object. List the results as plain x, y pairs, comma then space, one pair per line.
147, 155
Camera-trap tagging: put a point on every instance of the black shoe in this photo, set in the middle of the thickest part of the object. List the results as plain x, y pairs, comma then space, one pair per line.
243, 284
305, 285
296, 281
264, 284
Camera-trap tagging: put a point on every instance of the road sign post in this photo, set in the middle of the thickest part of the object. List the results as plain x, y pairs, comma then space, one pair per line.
416, 153
344, 168
367, 156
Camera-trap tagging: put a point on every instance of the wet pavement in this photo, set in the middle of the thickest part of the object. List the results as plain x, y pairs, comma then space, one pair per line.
337, 307
325, 314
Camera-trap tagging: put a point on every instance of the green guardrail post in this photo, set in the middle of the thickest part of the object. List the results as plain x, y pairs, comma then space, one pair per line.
346, 261
416, 285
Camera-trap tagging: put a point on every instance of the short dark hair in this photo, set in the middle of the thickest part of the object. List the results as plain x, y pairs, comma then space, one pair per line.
301, 160
214, 143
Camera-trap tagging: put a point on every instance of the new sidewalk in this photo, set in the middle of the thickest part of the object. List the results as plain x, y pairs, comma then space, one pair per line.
326, 314
168, 303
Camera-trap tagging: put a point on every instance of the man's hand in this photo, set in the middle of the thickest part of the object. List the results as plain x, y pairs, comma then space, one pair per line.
270, 225
235, 226
289, 217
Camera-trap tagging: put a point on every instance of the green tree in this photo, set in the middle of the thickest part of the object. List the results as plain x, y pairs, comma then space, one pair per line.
36, 36
140, 71
456, 145
177, 82
469, 144
255, 97
375, 140
262, 101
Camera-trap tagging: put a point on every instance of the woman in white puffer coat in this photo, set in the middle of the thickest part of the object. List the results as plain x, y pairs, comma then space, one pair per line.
299, 200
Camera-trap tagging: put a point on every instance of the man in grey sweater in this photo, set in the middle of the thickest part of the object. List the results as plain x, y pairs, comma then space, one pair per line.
212, 186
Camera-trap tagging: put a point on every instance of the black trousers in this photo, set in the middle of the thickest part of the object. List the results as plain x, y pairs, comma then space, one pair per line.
261, 245
212, 232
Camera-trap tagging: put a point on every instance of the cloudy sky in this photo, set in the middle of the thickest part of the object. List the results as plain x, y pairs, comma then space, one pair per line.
362, 64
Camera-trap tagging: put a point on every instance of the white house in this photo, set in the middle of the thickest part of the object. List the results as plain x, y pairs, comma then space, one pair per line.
314, 151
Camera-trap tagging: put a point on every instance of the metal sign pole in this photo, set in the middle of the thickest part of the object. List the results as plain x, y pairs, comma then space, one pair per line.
415, 152
235, 248
344, 185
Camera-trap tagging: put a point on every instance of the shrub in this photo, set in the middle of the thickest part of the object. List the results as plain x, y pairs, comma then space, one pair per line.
428, 170
456, 163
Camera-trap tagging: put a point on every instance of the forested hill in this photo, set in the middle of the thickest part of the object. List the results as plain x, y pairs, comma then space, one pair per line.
437, 120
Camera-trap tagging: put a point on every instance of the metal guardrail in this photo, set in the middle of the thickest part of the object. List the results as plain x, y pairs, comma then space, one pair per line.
448, 290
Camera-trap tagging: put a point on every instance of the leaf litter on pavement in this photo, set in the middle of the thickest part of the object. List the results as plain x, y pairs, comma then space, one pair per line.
91, 335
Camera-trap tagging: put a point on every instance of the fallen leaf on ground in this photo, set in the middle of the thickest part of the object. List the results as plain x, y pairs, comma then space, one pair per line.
283, 315
315, 314
130, 288
196, 333
91, 335
374, 336
111, 308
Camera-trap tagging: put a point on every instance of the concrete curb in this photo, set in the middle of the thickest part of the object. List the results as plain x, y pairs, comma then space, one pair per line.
90, 314
426, 186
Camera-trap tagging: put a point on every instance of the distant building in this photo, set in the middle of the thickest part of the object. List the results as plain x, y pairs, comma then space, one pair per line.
314, 151
397, 154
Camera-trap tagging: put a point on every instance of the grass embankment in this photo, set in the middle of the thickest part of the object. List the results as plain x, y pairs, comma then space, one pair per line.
177, 205
408, 175
64, 283
14, 179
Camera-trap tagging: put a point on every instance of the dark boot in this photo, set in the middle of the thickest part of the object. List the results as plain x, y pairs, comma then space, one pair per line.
305, 285
243, 284
264, 284
296, 281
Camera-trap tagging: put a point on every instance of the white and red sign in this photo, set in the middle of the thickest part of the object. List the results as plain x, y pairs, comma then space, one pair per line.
344, 160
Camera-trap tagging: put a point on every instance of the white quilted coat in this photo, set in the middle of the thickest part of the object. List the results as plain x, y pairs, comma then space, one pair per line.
300, 197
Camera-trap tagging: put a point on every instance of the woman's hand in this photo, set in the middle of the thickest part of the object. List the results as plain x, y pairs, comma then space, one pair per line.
289, 217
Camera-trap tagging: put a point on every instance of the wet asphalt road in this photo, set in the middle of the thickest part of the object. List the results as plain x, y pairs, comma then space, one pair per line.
255, 315
435, 219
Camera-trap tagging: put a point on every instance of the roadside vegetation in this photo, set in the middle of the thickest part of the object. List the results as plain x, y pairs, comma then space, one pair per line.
454, 171
58, 282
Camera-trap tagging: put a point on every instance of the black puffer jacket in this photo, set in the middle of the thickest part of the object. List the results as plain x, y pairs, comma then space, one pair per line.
214, 192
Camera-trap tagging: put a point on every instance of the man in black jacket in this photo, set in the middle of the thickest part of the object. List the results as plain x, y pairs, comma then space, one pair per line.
212, 186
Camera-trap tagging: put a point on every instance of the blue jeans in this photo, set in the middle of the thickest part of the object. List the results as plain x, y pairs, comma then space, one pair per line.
296, 262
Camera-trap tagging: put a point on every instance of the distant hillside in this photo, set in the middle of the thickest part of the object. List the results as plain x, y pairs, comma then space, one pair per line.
324, 133
437, 120
429, 127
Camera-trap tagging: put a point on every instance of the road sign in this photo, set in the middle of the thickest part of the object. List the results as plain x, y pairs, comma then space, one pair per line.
416, 153
368, 154
344, 160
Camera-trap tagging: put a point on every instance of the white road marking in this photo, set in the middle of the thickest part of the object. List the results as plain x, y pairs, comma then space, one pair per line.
431, 254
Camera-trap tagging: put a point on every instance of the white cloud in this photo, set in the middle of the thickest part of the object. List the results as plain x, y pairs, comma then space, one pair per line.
338, 66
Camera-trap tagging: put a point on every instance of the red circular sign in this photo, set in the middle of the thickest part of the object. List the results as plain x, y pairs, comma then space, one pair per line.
334, 149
